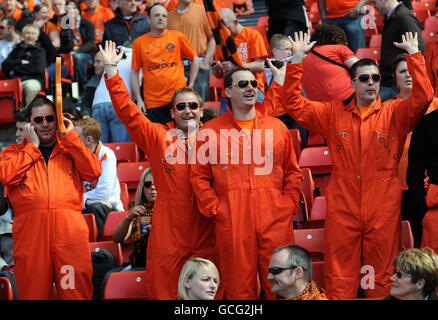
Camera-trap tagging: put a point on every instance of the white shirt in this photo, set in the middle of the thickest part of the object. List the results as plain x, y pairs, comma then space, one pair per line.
5, 49
108, 186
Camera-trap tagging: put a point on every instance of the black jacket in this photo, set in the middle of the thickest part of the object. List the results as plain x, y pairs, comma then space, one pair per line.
36, 55
120, 30
401, 21
281, 10
86, 30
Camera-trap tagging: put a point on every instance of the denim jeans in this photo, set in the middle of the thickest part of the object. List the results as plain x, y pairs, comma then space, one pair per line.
81, 61
387, 93
202, 82
113, 129
51, 71
353, 29
224, 100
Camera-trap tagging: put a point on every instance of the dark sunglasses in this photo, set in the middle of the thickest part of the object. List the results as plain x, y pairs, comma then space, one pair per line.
5, 27
182, 105
147, 184
278, 270
242, 84
400, 274
365, 77
69, 116
40, 119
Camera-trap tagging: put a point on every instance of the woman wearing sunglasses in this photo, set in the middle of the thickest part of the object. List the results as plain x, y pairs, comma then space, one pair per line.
415, 275
137, 223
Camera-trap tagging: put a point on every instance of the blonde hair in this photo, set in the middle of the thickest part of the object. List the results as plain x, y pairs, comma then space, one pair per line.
420, 264
140, 199
189, 270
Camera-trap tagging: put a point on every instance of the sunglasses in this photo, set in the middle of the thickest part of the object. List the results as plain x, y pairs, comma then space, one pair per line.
400, 274
40, 119
278, 270
5, 27
182, 105
147, 184
245, 83
365, 77
69, 116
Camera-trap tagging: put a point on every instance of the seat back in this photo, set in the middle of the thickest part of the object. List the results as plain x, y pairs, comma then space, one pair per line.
124, 195
212, 104
371, 53
90, 219
216, 84
308, 186
124, 151
317, 213
126, 285
421, 14
11, 97
68, 61
6, 292
318, 273
375, 41
301, 216
429, 36
112, 247
315, 140
130, 173
431, 23
312, 240
111, 222
317, 159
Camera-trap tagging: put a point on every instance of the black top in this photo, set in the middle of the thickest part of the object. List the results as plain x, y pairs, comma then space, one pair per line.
46, 152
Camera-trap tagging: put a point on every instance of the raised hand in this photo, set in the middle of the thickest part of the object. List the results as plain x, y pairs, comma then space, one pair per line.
300, 46
278, 74
409, 43
109, 53
30, 135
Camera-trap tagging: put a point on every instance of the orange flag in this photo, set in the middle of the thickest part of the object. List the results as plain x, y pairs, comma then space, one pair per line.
58, 101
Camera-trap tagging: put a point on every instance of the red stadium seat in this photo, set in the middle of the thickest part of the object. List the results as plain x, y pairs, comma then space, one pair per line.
421, 14
315, 140
424, 5
6, 292
213, 105
112, 247
375, 41
296, 140
314, 17
312, 240
124, 195
126, 286
308, 186
130, 173
11, 96
317, 214
92, 226
301, 216
371, 53
407, 239
216, 86
111, 222
263, 21
429, 36
318, 160
124, 151
431, 23
318, 273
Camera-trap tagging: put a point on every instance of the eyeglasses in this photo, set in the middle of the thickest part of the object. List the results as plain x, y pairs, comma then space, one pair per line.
245, 83
400, 274
147, 184
182, 105
365, 77
40, 119
69, 116
278, 270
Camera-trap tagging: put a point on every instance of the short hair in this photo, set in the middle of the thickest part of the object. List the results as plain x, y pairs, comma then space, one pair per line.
396, 61
209, 114
31, 25
299, 257
420, 264
140, 199
19, 116
361, 63
10, 21
328, 33
39, 101
38, 7
90, 127
185, 90
228, 80
149, 9
277, 39
189, 270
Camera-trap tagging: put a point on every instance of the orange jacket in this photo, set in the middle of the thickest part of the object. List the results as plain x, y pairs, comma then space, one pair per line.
364, 193
179, 230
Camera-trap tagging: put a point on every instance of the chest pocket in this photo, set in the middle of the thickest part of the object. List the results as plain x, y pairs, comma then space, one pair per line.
386, 149
340, 142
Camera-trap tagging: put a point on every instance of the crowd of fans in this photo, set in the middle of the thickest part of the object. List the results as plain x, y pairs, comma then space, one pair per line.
141, 66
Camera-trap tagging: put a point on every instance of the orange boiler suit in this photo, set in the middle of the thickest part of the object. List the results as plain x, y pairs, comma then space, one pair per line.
364, 193
49, 232
178, 231
252, 209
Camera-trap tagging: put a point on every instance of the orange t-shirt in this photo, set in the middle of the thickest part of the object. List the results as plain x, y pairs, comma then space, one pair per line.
194, 24
30, 5
16, 14
339, 8
364, 111
245, 125
98, 18
160, 60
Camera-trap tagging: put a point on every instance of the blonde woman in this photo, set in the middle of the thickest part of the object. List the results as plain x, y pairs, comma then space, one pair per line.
199, 280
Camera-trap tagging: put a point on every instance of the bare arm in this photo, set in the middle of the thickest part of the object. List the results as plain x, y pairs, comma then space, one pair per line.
135, 85
194, 69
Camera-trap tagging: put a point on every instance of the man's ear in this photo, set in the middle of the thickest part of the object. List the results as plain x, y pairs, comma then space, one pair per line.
228, 92
172, 113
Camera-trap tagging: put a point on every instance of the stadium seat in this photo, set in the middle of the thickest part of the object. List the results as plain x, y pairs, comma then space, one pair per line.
70, 79
314, 7
371, 53
296, 140
318, 273
263, 21
308, 186
429, 36
314, 17
130, 173
375, 41
312, 240
112, 247
111, 222
124, 151
216, 86
124, 195
126, 286
11, 96
421, 15
407, 239
317, 213
92, 226
301, 216
431, 23
6, 292
318, 160
370, 31
212, 104
424, 5
315, 140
